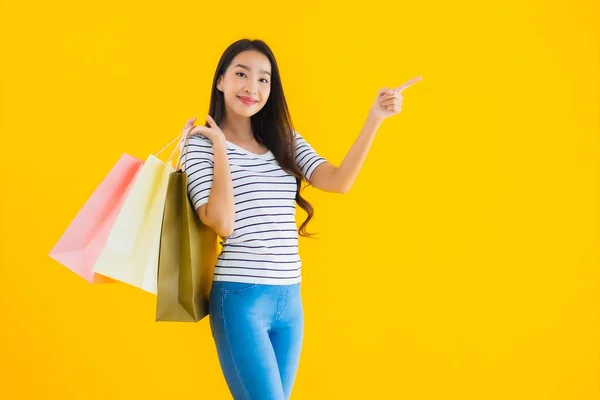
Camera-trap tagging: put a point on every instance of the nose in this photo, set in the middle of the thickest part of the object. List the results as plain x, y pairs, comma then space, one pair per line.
251, 90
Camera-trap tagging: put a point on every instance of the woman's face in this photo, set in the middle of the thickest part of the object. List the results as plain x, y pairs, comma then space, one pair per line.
248, 75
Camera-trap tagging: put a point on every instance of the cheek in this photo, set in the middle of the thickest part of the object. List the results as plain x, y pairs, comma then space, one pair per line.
232, 95
265, 94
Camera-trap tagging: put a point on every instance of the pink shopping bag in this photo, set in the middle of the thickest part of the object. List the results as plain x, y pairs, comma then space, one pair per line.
81, 243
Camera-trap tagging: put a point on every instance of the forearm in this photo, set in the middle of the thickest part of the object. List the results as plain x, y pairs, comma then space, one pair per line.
348, 170
220, 208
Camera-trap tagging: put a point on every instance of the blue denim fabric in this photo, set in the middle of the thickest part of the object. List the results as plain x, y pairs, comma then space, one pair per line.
258, 331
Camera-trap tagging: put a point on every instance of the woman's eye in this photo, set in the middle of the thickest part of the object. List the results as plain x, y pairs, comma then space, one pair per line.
238, 73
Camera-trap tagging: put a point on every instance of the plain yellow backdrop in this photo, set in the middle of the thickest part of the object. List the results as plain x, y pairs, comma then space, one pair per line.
463, 264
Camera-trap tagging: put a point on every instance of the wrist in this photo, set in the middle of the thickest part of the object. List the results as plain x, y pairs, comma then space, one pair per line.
374, 119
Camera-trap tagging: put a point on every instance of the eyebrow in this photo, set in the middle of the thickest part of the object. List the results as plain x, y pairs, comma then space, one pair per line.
248, 68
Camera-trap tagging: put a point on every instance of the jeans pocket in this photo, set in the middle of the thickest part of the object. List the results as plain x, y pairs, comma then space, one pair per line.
237, 287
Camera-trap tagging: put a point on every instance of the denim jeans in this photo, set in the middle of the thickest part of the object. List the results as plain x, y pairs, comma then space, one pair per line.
258, 331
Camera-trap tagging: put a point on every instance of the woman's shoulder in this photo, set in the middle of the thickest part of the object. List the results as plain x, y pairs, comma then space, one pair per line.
199, 139
197, 147
199, 142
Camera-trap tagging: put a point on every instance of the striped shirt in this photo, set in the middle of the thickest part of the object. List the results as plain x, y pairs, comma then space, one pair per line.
263, 247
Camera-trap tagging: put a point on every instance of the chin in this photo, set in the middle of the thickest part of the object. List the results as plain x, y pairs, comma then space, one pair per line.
247, 112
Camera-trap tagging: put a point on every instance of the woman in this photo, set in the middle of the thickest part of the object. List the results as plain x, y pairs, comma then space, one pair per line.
245, 168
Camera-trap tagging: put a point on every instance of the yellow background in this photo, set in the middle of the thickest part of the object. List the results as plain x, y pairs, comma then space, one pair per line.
463, 264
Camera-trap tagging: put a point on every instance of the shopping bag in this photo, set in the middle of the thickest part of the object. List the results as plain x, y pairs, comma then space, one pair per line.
80, 244
187, 257
130, 254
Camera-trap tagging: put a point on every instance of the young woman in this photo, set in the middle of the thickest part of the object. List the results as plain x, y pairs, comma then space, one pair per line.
245, 168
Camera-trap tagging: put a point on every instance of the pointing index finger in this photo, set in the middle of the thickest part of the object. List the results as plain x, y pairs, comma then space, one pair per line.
408, 84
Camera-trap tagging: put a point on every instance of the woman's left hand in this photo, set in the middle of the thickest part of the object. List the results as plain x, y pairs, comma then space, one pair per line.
389, 101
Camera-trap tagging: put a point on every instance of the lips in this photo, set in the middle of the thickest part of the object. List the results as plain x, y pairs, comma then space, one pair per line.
247, 100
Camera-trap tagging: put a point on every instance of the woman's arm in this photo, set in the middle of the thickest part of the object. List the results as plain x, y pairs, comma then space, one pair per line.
219, 212
340, 179
388, 102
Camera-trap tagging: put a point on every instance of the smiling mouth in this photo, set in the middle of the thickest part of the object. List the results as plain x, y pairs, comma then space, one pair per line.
247, 102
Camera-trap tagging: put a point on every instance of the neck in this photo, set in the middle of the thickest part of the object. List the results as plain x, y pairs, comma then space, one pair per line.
237, 128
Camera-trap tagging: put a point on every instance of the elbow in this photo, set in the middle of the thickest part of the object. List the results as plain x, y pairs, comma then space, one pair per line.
343, 185
224, 228
344, 189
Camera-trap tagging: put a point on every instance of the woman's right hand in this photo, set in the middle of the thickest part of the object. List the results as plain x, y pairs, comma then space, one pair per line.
211, 132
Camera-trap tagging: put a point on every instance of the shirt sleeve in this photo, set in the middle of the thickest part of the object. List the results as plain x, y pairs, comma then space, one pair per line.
197, 160
306, 157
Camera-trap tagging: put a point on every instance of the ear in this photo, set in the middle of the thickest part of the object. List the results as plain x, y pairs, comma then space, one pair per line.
219, 87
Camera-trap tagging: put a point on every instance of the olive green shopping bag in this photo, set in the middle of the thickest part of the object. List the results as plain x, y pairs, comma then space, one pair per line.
187, 256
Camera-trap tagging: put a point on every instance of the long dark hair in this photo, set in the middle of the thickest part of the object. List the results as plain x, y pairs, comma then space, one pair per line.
272, 125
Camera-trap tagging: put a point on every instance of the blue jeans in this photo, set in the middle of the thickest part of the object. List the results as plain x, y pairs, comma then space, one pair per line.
258, 331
